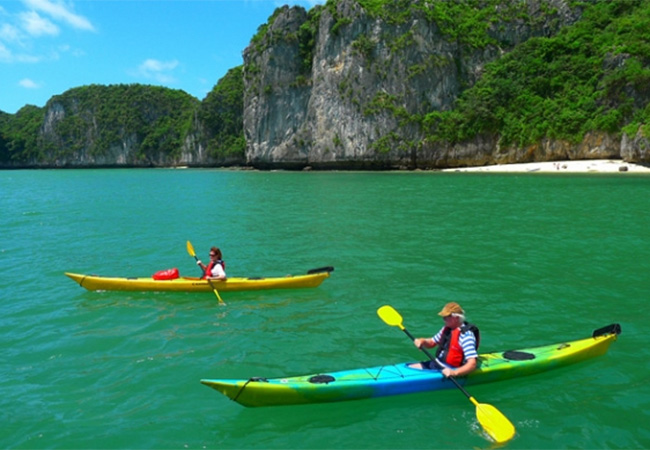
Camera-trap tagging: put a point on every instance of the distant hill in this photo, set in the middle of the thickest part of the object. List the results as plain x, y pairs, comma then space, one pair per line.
128, 125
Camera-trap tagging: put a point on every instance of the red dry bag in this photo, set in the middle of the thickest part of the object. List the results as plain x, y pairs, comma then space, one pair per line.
169, 274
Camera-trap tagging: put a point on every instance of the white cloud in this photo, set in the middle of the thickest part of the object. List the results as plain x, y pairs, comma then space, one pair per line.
312, 3
9, 33
29, 84
157, 70
60, 12
154, 65
37, 25
20, 31
5, 54
8, 56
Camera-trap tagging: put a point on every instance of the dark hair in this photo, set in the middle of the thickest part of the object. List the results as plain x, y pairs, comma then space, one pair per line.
217, 252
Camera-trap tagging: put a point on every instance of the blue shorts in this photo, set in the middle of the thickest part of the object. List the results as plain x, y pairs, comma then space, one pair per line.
432, 365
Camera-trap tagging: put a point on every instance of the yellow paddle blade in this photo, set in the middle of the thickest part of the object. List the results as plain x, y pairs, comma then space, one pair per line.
391, 317
190, 249
214, 289
494, 422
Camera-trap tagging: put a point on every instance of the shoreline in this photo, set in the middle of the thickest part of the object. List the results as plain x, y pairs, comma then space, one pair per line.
568, 166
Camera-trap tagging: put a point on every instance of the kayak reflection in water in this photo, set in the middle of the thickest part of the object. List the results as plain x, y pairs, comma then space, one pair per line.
457, 343
216, 268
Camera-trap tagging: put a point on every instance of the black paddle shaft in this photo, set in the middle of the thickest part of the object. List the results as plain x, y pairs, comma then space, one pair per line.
202, 271
426, 352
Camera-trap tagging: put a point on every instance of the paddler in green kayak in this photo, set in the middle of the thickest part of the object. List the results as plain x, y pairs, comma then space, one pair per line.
457, 343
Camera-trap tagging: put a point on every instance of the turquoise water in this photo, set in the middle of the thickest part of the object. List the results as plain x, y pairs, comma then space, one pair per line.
533, 258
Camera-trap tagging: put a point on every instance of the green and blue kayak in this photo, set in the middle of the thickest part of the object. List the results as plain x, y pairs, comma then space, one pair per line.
400, 379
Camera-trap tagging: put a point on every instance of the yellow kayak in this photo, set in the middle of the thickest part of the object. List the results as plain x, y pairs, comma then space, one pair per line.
313, 278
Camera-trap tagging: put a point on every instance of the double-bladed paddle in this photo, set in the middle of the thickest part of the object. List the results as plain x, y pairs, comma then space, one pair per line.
190, 250
491, 419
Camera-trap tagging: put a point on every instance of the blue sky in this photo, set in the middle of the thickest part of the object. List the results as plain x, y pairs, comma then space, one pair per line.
50, 46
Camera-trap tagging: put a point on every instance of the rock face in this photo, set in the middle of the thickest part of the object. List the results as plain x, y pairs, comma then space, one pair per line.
140, 128
276, 95
369, 77
118, 126
636, 149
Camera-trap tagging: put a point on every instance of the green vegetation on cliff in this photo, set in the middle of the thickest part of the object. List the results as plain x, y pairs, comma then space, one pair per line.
93, 121
156, 119
221, 115
594, 75
471, 23
19, 133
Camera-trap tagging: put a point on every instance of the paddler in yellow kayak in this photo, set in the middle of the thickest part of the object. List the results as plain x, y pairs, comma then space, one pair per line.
216, 268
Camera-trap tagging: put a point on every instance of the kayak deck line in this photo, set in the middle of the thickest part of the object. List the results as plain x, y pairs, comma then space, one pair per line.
81, 282
398, 379
313, 278
314, 379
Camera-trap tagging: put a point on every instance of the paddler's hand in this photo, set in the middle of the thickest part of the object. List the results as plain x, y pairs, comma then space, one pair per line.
447, 372
198, 262
419, 341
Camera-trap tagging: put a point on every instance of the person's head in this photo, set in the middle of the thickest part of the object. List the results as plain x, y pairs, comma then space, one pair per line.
452, 314
215, 253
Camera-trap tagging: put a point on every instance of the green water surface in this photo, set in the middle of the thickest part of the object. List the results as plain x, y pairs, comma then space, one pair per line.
533, 258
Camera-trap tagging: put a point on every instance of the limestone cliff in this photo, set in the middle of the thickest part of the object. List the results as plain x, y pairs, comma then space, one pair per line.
121, 126
118, 126
372, 75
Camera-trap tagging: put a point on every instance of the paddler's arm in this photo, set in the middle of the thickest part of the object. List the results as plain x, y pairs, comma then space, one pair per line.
218, 277
424, 342
463, 370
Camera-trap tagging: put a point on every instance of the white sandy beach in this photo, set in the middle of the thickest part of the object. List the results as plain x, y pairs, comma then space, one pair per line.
582, 166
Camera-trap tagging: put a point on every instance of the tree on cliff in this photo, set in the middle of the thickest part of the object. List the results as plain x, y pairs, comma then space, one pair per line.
221, 115
594, 75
